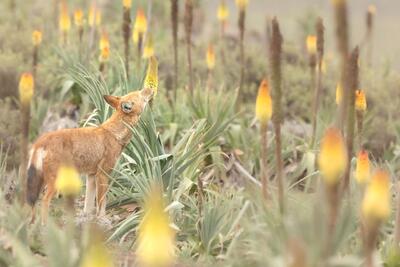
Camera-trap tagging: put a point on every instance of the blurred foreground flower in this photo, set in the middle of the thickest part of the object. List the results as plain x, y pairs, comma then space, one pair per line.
156, 240
148, 50
263, 103
26, 88
127, 3
97, 254
332, 158
242, 4
362, 173
78, 18
140, 22
311, 44
151, 79
104, 41
68, 182
64, 21
376, 202
222, 12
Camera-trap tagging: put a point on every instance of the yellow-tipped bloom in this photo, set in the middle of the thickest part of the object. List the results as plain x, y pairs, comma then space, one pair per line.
36, 38
140, 22
376, 202
156, 240
104, 41
64, 21
127, 3
372, 9
135, 36
312, 44
26, 88
222, 12
338, 2
361, 101
68, 182
339, 93
210, 57
362, 172
332, 159
78, 18
94, 16
104, 54
148, 50
97, 254
242, 4
151, 80
263, 103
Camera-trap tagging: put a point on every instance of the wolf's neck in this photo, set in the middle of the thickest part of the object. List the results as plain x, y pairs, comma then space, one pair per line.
118, 128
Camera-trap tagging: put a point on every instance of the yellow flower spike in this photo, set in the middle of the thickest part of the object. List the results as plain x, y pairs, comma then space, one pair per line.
151, 80
68, 182
263, 103
361, 101
94, 16
104, 41
156, 239
339, 93
376, 202
242, 4
78, 18
104, 54
311, 44
36, 38
148, 50
135, 36
372, 9
210, 57
222, 12
338, 2
362, 172
97, 254
26, 88
127, 4
332, 158
140, 22
64, 21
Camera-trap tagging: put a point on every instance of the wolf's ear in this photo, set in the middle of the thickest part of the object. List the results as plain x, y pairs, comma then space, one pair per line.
112, 100
147, 93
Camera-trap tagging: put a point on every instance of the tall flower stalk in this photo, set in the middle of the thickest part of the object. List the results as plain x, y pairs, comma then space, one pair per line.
104, 51
126, 30
64, 22
370, 27
318, 85
174, 23
78, 20
352, 87
222, 15
242, 5
210, 60
140, 29
361, 107
188, 32
36, 41
26, 90
263, 114
276, 84
342, 39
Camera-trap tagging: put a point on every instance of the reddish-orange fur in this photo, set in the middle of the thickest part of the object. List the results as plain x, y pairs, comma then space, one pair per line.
92, 151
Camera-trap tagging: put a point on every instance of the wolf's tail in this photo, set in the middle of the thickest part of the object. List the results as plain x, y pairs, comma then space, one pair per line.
34, 185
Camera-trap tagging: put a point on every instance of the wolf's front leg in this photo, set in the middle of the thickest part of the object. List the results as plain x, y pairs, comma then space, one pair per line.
90, 195
101, 188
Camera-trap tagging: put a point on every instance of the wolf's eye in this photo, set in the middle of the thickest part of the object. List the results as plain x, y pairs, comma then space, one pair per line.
126, 106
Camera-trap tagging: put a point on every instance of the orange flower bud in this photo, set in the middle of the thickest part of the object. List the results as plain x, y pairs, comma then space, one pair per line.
64, 21
210, 57
127, 3
263, 103
361, 101
26, 88
222, 12
36, 38
312, 44
104, 54
376, 202
339, 93
362, 173
78, 18
140, 22
332, 159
